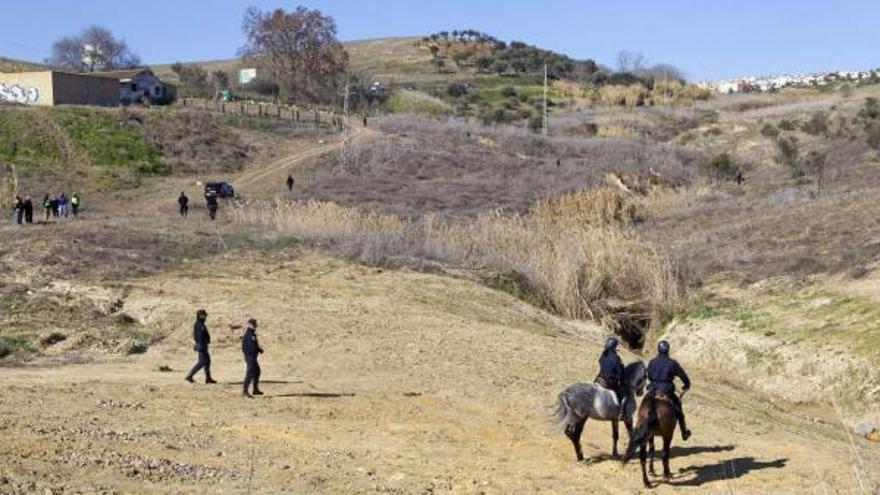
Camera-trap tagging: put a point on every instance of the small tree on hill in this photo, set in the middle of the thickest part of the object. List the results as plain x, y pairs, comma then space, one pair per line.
193, 78
484, 63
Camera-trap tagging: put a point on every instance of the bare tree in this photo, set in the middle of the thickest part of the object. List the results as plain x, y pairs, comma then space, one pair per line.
630, 62
94, 49
220, 80
298, 50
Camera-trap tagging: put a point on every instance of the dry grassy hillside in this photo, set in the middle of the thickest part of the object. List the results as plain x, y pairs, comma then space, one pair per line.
13, 65
392, 60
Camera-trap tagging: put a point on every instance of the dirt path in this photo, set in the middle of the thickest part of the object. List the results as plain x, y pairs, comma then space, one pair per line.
376, 381
260, 180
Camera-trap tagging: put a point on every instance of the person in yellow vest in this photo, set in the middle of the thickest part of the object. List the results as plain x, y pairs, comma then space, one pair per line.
74, 203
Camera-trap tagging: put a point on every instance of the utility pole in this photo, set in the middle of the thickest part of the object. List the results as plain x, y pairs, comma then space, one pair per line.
544, 116
345, 152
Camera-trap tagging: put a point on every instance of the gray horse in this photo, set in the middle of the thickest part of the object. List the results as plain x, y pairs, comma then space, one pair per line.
583, 401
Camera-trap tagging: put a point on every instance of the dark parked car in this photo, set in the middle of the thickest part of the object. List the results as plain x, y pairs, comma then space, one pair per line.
221, 189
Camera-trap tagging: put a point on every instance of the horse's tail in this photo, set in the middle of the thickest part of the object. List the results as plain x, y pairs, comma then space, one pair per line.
563, 413
641, 434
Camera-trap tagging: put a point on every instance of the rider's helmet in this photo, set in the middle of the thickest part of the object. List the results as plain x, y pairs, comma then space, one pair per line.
663, 347
611, 343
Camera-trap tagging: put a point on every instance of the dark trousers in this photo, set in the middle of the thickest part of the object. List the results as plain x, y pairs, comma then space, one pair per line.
74, 209
184, 209
212, 211
203, 362
29, 216
19, 214
252, 373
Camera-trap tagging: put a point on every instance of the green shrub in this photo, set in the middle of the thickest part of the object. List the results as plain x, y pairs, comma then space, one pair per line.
769, 130
788, 125
789, 154
817, 125
720, 167
457, 89
871, 109
508, 91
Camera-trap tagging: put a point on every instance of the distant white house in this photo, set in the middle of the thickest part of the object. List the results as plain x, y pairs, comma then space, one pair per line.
141, 85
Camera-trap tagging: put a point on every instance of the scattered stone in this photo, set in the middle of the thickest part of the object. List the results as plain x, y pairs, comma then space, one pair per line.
165, 368
869, 429
136, 347
110, 403
4, 350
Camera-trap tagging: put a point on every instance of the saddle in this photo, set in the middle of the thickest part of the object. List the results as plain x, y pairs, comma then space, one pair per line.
662, 396
600, 381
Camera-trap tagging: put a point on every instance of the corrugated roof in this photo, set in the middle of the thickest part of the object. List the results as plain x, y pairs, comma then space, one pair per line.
121, 74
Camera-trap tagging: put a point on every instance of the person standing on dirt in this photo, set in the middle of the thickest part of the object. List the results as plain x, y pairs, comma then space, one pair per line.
28, 210
74, 204
183, 202
662, 371
290, 183
55, 206
211, 203
611, 372
251, 349
201, 338
18, 209
62, 205
48, 206
365, 120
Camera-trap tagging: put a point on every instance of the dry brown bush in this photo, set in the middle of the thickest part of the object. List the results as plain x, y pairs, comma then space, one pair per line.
598, 207
455, 169
576, 270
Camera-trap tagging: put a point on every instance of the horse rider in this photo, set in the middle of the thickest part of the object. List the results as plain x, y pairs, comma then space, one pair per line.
611, 372
662, 371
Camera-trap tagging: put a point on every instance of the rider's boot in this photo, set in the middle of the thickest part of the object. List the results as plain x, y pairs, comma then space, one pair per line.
685, 433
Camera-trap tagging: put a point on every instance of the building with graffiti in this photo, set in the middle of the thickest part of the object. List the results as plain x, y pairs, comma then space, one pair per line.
48, 88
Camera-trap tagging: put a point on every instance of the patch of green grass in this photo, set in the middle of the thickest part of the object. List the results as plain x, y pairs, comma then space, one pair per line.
517, 285
20, 139
18, 344
108, 142
750, 317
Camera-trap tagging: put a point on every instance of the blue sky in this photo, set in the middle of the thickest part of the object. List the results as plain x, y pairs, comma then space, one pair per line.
708, 39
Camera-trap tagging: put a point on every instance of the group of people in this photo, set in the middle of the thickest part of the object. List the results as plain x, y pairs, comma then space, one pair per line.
54, 206
250, 347
662, 371
210, 203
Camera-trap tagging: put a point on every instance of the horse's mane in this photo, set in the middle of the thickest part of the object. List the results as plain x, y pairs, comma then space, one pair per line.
632, 370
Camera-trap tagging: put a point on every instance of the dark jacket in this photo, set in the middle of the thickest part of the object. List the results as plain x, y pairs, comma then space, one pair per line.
249, 345
183, 200
611, 367
201, 336
662, 370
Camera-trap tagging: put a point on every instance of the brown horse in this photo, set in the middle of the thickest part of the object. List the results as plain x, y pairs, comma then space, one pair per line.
656, 418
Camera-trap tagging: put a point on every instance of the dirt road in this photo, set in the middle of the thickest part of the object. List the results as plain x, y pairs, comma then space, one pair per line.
376, 381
